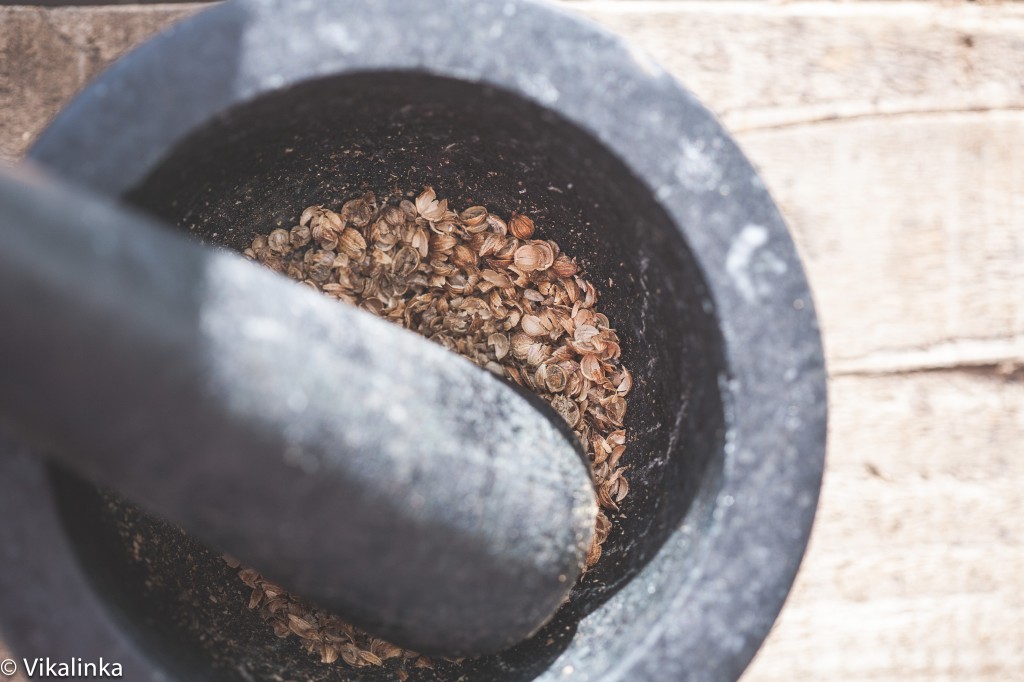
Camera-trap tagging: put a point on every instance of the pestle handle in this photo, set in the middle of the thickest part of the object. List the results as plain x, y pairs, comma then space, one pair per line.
374, 472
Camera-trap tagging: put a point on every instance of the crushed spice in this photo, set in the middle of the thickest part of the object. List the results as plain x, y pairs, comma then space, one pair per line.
481, 287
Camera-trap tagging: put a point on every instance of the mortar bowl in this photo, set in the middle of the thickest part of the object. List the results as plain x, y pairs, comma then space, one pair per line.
233, 121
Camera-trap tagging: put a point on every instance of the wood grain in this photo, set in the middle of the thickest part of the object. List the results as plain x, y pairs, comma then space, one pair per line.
916, 564
763, 64
912, 229
47, 55
892, 137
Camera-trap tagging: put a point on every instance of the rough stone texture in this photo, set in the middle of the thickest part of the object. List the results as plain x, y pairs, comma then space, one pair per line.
914, 570
700, 607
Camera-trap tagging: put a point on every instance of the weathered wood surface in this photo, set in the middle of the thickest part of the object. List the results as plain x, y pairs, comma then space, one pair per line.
892, 136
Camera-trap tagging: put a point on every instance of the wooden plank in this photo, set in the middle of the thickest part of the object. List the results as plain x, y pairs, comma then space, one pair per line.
756, 64
793, 67
760, 64
916, 565
912, 232
46, 55
966, 425
916, 256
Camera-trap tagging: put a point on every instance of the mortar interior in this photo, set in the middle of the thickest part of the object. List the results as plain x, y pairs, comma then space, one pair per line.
256, 168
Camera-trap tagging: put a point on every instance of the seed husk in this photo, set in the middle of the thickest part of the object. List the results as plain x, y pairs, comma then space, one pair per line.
520, 226
279, 241
564, 266
299, 236
528, 258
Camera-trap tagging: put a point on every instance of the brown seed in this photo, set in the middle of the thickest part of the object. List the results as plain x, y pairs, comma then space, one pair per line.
621, 489
299, 236
463, 256
520, 226
600, 449
498, 279
500, 344
358, 212
615, 408
384, 235
499, 263
584, 333
497, 225
319, 268
532, 295
299, 626
256, 597
528, 258
603, 527
428, 206
605, 498
271, 260
610, 349
394, 215
474, 218
342, 262
248, 576
555, 379
308, 214
352, 243
547, 255
572, 291
491, 244
279, 241
385, 650
443, 243
350, 654
537, 354
533, 326
595, 553
325, 239
564, 266
567, 408
591, 368
625, 384
520, 345
508, 250
421, 242
370, 658
323, 220
406, 261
